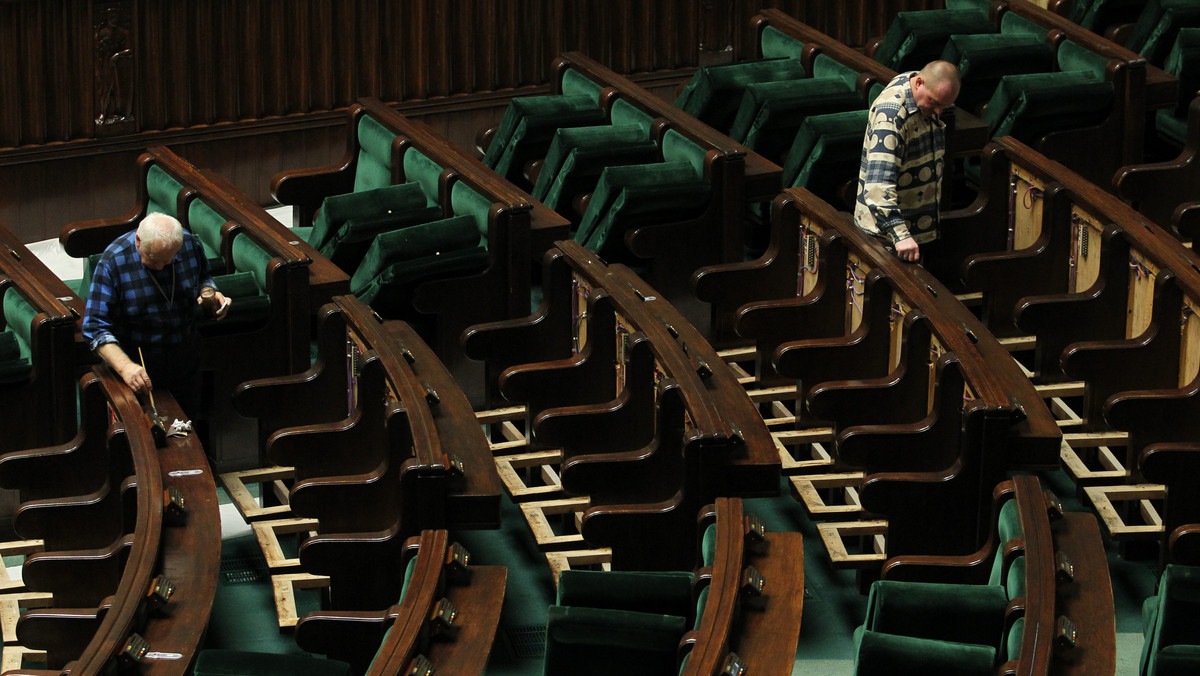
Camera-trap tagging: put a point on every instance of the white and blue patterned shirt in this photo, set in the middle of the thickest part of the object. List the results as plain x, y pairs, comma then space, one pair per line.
900, 177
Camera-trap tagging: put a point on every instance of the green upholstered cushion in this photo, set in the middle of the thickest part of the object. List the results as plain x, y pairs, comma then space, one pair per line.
965, 613
466, 201
205, 223
1171, 127
825, 153
665, 592
1012, 23
770, 115
623, 112
162, 191
374, 167
390, 292
1178, 660
1157, 26
880, 653
614, 181
237, 285
575, 83
1015, 584
248, 256
678, 148
1183, 62
413, 242
983, 59
825, 66
603, 642
1031, 105
713, 92
528, 124
775, 44
701, 604
249, 306
219, 662
708, 545
578, 155
915, 38
18, 317
977, 5
336, 210
1099, 15
1014, 638
1008, 523
421, 170
1073, 56
349, 244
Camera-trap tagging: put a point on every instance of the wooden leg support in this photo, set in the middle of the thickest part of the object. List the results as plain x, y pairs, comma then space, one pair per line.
15, 657
271, 478
834, 536
285, 587
537, 515
11, 606
546, 464
818, 460
808, 489
268, 532
1104, 499
1107, 467
560, 561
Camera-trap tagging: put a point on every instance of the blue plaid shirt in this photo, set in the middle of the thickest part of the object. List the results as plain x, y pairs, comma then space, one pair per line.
125, 305
900, 178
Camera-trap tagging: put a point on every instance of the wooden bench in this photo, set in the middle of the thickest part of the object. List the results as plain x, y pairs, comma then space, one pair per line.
1058, 618
589, 403
870, 328
421, 460
1162, 191
169, 555
44, 352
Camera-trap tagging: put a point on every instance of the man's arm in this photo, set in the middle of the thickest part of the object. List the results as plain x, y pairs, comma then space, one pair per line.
884, 152
130, 371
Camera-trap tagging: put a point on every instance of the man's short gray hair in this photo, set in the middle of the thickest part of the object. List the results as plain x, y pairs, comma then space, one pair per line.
160, 231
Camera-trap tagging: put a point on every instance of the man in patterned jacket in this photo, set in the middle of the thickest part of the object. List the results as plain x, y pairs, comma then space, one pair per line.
900, 178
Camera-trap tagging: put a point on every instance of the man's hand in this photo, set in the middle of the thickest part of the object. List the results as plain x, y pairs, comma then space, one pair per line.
220, 303
136, 378
907, 249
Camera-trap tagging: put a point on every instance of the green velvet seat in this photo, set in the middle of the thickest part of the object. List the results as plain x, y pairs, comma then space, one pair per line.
1100, 15
983, 60
1158, 25
627, 196
1183, 62
1172, 635
961, 626
771, 113
826, 153
373, 167
15, 352
617, 623
528, 126
915, 38
246, 285
346, 224
220, 662
713, 93
399, 260
205, 223
578, 155
775, 44
162, 192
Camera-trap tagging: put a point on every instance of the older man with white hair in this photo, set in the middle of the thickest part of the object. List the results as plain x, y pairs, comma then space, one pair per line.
142, 304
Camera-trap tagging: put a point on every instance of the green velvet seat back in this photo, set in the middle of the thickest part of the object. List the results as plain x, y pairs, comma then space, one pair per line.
466, 201
826, 153
1158, 25
578, 155
1183, 62
1098, 15
528, 125
1012, 23
775, 44
205, 223
374, 166
678, 148
771, 114
713, 93
15, 341
246, 285
349, 244
825, 66
162, 192
390, 292
624, 113
603, 642
983, 59
248, 256
419, 169
631, 195
337, 210
575, 83
1008, 526
915, 38
219, 662
1014, 638
1031, 105
1172, 638
963, 613
879, 653
708, 545
977, 5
